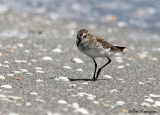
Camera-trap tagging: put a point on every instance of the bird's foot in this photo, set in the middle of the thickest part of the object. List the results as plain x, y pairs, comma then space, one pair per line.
94, 79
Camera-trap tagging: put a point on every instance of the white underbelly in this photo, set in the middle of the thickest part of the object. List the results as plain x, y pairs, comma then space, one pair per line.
97, 52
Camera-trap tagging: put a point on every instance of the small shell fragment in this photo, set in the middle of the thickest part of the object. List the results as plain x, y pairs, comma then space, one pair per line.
95, 102
120, 67
149, 100
7, 86
145, 104
16, 78
151, 79
73, 85
76, 60
14, 98
120, 103
47, 58
13, 114
91, 97
63, 78
107, 77
154, 95
38, 68
114, 90
62, 102
67, 67
81, 110
157, 103
57, 50
74, 105
79, 70
85, 83
10, 75
34, 93
40, 71
2, 77
141, 83
39, 80
81, 94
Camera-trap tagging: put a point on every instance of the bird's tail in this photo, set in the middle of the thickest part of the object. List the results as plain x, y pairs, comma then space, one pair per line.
120, 48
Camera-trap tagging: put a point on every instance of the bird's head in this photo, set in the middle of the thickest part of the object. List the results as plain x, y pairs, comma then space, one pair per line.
81, 35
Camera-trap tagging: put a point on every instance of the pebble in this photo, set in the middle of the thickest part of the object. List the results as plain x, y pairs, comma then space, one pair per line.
7, 86
81, 111
76, 60
47, 58
2, 77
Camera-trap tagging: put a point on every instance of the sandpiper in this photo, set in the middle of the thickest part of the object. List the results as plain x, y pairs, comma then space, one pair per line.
95, 47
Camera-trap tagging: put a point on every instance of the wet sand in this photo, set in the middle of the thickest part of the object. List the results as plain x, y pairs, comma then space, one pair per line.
36, 51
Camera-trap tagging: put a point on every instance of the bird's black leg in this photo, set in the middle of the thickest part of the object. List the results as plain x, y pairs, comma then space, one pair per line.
99, 70
94, 77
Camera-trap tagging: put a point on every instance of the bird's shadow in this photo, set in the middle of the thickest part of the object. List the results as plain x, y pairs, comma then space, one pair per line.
83, 79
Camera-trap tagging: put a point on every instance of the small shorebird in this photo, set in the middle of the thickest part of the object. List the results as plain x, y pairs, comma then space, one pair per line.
94, 47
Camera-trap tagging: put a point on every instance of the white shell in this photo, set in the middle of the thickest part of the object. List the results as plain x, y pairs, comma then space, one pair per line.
120, 103
76, 60
67, 67
2, 77
57, 50
62, 102
34, 93
157, 103
6, 86
149, 100
107, 76
154, 95
47, 58
81, 110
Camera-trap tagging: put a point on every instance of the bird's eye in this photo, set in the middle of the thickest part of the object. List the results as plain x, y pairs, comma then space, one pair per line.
85, 36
